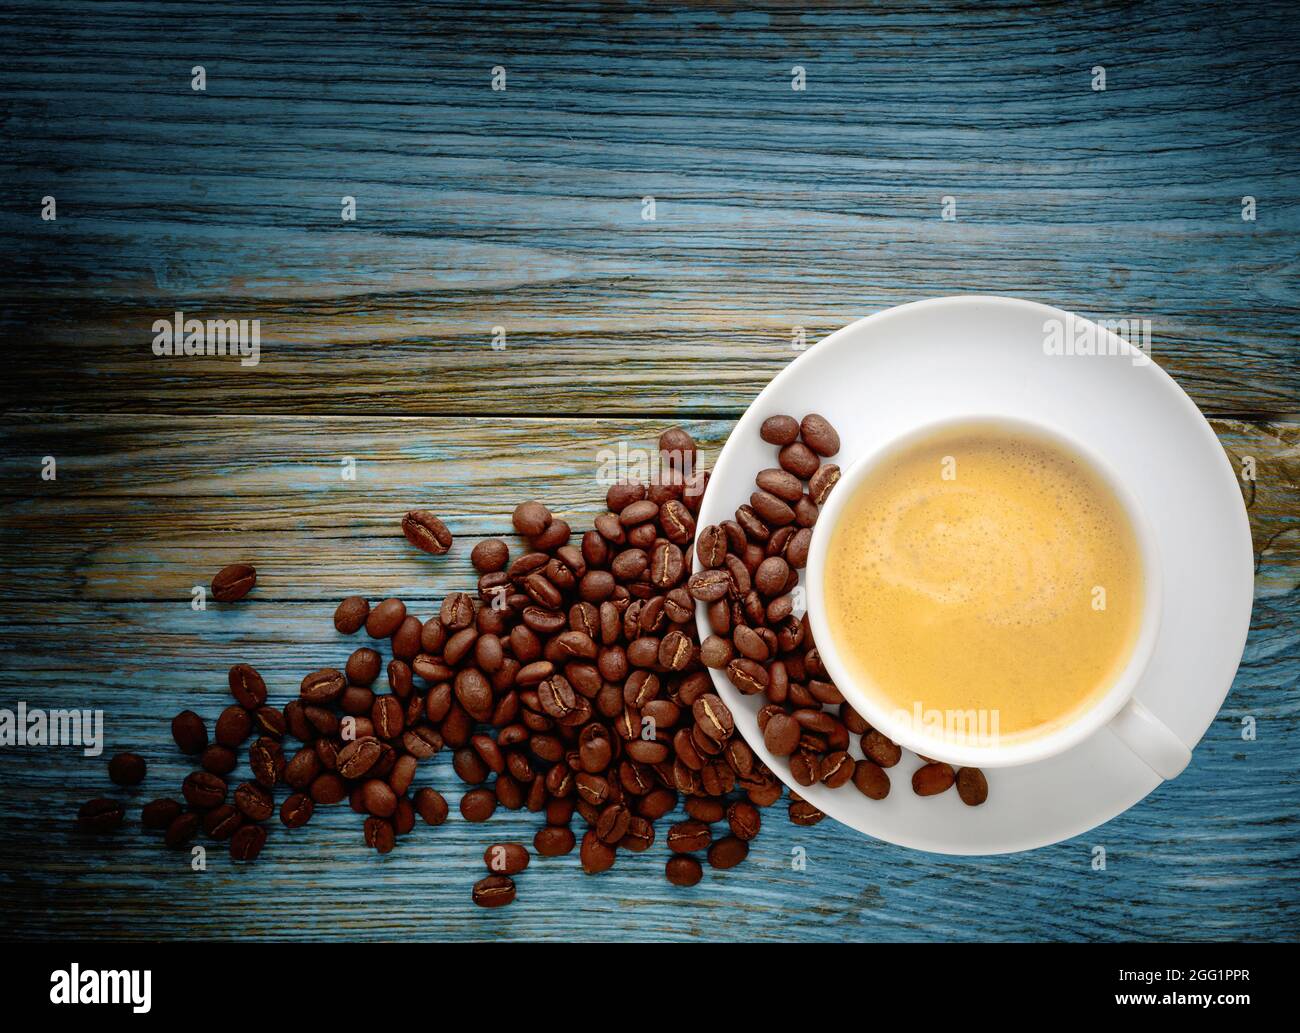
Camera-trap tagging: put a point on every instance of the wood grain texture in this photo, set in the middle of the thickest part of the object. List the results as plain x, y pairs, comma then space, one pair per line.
522, 208
100, 564
775, 209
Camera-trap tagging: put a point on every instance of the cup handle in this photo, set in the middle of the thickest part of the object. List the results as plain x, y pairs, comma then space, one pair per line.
1151, 739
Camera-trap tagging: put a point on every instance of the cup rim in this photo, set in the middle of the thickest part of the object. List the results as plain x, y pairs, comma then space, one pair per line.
880, 717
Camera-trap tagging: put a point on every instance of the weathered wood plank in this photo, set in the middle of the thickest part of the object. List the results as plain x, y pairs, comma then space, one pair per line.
522, 209
147, 507
96, 613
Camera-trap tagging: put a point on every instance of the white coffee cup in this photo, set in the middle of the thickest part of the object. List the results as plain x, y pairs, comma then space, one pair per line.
1117, 708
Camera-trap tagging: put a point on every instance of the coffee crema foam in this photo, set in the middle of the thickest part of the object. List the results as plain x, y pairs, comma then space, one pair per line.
965, 574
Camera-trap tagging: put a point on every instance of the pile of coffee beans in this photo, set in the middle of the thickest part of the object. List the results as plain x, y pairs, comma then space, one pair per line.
569, 682
747, 571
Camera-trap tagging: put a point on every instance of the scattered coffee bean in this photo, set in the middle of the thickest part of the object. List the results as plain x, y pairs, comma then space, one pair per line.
190, 733
127, 769
683, 870
932, 779
101, 815
425, 531
554, 840
506, 858
819, 435
158, 814
234, 582
351, 614
972, 786
728, 852
779, 430
296, 810
247, 686
494, 891
247, 842
183, 828
222, 822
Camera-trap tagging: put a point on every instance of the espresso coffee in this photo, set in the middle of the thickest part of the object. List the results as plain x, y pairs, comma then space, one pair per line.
985, 569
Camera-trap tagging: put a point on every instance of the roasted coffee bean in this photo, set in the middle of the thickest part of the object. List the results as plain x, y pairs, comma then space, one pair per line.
127, 769
613, 823
380, 834
728, 852
799, 460
363, 666
296, 810
821, 483
385, 618
836, 768
675, 651
183, 828
686, 837
302, 768
351, 615
804, 813
247, 686
716, 652
490, 556
494, 891
431, 806
457, 612
772, 576
268, 720
247, 842
474, 693
190, 733
871, 780
233, 582
743, 820
711, 547
779, 430
677, 450
796, 552
713, 717
596, 857
804, 767
378, 798
426, 532
478, 805
709, 585
554, 840
819, 435
755, 531
683, 870
747, 675
388, 717
781, 735
972, 786
932, 779
100, 815
203, 790
254, 802
506, 858
266, 759
881, 749
218, 759
771, 510
234, 725
221, 823
531, 518
327, 788
158, 814
780, 483
320, 688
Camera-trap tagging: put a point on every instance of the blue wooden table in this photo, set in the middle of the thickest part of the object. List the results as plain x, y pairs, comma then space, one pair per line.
501, 308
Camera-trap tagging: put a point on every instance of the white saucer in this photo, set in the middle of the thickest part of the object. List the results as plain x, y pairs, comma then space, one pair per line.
900, 369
